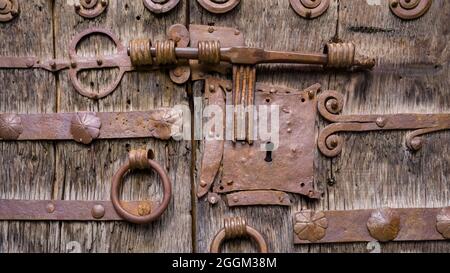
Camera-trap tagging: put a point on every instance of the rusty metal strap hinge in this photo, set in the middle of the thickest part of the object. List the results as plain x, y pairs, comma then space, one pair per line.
115, 210
330, 104
412, 224
84, 127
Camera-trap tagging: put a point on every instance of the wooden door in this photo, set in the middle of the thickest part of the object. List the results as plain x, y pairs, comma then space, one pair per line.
374, 170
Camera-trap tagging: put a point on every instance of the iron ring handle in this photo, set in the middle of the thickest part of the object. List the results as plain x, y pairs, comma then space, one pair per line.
119, 60
250, 232
155, 213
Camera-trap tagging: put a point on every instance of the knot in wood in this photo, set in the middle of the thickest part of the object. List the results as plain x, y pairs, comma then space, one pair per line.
138, 159
140, 52
235, 227
340, 55
165, 52
209, 52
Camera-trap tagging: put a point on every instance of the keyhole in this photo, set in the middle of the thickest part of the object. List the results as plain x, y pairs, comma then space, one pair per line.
269, 150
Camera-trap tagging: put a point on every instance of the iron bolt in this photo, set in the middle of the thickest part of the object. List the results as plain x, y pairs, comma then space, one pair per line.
230, 182
331, 181
384, 225
235, 199
73, 64
99, 61
211, 29
310, 94
143, 209
203, 184
50, 208
53, 64
237, 32
381, 122
104, 3
98, 211
416, 143
212, 88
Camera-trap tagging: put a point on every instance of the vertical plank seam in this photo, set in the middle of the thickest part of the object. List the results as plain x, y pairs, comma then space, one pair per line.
193, 149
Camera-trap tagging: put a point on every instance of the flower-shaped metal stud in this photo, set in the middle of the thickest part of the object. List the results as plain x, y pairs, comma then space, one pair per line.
443, 222
310, 225
384, 224
85, 127
10, 127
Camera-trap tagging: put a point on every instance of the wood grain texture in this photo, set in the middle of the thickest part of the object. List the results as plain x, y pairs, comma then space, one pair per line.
28, 168
376, 169
271, 25
85, 172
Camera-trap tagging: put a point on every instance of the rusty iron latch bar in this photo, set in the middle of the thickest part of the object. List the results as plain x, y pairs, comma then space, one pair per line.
144, 55
383, 225
84, 127
142, 212
330, 104
235, 228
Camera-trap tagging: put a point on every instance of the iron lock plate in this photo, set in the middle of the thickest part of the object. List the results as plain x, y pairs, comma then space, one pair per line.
291, 168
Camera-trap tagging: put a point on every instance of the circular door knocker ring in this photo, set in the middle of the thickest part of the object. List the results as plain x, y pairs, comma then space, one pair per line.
90, 8
160, 6
310, 8
219, 6
9, 9
237, 228
140, 159
409, 9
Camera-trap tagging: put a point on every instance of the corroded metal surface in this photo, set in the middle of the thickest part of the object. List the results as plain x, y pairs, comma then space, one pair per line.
213, 148
330, 104
160, 6
258, 198
9, 9
235, 228
310, 8
245, 167
91, 8
84, 126
411, 224
410, 9
141, 159
219, 6
64, 210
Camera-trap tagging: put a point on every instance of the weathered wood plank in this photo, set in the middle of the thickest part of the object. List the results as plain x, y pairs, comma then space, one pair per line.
28, 168
85, 172
272, 25
376, 169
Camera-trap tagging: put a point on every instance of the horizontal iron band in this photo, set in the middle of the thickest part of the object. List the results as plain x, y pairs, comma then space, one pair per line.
64, 210
352, 226
87, 126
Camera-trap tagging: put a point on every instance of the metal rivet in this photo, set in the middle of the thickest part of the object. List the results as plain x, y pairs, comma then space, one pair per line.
230, 182
73, 64
99, 61
310, 94
144, 209
237, 32
98, 211
50, 208
210, 29
203, 184
212, 88
381, 122
384, 224
310, 225
235, 199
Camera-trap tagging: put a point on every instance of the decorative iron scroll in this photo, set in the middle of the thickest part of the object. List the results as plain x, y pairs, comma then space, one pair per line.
384, 225
330, 104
